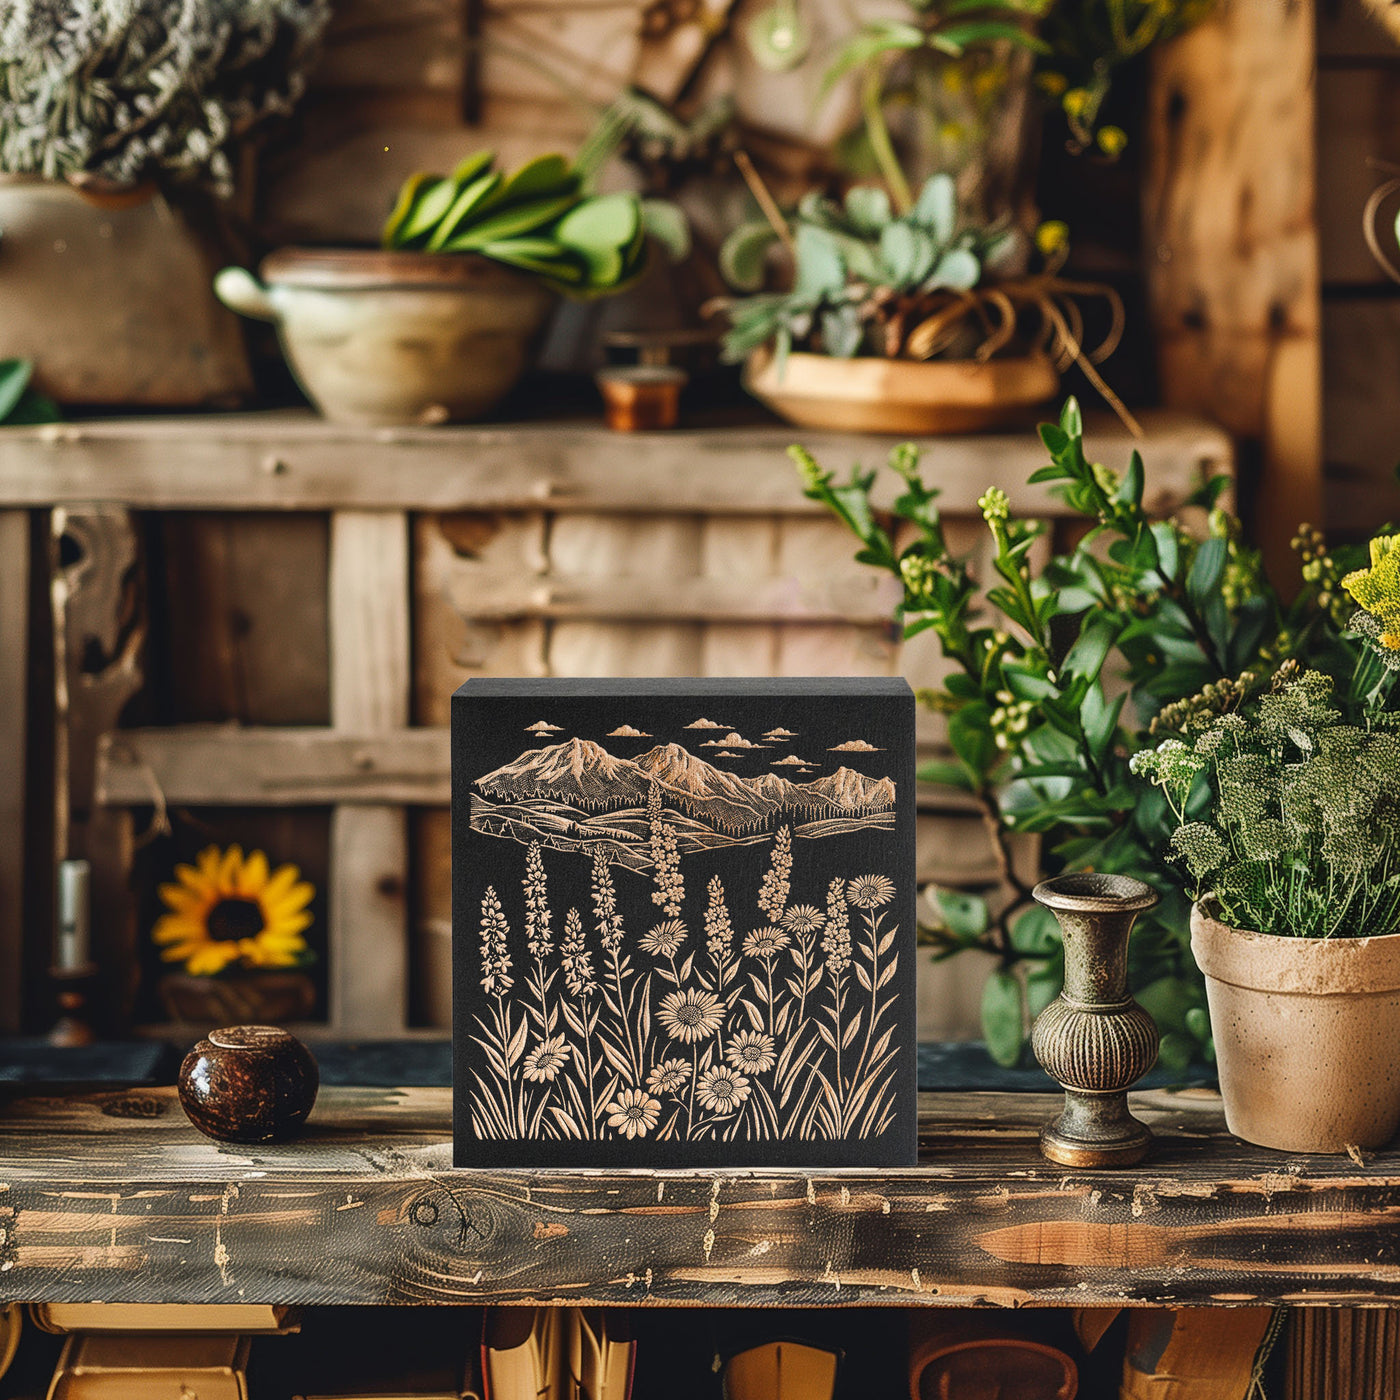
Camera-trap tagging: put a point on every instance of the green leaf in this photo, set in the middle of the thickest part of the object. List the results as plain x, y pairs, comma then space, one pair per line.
842, 331
868, 208
666, 222
1168, 552
907, 253
1176, 1051
14, 380
958, 268
820, 268
1035, 932
1206, 571
964, 914
478, 163
956, 39
971, 737
471, 197
743, 253
1091, 648
1197, 1021
1003, 1017
513, 221
1044, 983
545, 175
937, 207
601, 228
1130, 488
1071, 420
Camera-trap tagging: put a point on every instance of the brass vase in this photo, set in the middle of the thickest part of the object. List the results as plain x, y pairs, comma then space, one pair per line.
1094, 1040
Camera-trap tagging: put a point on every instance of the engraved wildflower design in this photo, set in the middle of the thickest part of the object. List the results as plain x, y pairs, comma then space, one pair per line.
633, 1113
641, 1012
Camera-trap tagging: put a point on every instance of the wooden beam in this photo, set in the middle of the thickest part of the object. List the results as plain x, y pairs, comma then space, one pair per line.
114, 1197
369, 648
14, 749
292, 461
1232, 247
215, 765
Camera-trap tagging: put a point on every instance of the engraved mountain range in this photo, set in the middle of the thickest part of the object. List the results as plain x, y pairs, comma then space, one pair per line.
577, 793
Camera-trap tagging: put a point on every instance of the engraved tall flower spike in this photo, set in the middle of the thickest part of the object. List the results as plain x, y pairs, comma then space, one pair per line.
1094, 1040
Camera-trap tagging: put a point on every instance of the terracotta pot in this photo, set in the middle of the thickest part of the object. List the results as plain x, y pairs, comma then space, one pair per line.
1305, 1034
870, 395
110, 298
385, 338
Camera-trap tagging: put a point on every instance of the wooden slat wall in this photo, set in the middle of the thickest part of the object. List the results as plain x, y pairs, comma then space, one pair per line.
14, 684
1358, 96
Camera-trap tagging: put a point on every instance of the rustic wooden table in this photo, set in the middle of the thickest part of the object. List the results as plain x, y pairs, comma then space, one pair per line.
116, 1197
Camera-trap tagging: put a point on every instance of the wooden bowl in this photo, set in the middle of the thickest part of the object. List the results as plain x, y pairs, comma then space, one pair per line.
920, 397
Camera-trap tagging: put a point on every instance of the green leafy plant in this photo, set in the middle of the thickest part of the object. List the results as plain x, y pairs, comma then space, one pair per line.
539, 220
1060, 674
1289, 817
19, 404
146, 89
865, 278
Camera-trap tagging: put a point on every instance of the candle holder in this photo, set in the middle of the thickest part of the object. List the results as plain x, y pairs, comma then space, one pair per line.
74, 996
1094, 1040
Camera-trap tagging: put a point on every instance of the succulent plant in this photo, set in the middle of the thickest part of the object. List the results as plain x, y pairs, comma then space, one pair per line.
130, 90
859, 269
539, 220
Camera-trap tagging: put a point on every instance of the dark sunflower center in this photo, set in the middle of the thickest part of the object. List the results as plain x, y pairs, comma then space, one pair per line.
232, 919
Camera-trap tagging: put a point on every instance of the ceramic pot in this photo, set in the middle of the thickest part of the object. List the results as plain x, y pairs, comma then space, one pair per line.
386, 338
109, 296
1305, 1034
249, 1084
871, 395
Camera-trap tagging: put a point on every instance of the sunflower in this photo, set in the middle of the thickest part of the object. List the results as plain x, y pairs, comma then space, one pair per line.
870, 891
227, 910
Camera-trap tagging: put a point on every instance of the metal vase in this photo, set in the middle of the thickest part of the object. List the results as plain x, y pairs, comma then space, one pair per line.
1094, 1040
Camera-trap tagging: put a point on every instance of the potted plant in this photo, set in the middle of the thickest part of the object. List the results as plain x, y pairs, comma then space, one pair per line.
436, 324
1060, 672
1288, 810
113, 118
902, 323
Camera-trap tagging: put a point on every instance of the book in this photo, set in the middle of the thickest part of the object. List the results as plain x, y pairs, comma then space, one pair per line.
555, 1354
781, 1371
206, 1318
151, 1366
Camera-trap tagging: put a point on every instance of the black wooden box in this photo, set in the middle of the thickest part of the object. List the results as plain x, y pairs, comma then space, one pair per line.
683, 922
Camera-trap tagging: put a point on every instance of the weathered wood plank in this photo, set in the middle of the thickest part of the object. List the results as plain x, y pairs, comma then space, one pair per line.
369, 653
14, 748
1232, 244
215, 765
292, 461
116, 1197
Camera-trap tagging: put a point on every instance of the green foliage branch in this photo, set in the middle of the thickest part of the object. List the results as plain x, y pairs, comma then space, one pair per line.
1062, 671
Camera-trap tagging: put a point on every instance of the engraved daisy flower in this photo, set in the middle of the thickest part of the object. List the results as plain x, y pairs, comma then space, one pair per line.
803, 918
633, 1113
544, 1062
766, 942
691, 1015
665, 939
752, 1051
870, 891
722, 1089
669, 1077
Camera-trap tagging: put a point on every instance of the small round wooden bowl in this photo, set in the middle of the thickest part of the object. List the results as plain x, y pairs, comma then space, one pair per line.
249, 1084
919, 397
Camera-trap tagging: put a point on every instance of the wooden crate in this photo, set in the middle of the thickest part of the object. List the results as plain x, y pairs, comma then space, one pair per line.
560, 550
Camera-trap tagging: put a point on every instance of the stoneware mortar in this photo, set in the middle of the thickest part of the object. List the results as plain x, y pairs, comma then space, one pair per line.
1306, 1033
387, 338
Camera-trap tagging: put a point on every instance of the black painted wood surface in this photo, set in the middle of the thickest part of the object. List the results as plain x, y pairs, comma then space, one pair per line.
117, 1197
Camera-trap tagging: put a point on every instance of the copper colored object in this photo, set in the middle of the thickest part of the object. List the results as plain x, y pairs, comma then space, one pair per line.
1094, 1040
74, 994
641, 398
249, 1084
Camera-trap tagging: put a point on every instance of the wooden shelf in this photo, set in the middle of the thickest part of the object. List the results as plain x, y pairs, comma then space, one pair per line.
296, 461
115, 1197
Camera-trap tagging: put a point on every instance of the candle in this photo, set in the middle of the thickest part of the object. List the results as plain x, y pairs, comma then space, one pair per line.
73, 949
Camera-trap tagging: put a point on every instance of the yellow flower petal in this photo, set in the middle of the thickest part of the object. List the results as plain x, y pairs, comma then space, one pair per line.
253, 876
208, 861
291, 903
229, 869
282, 880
